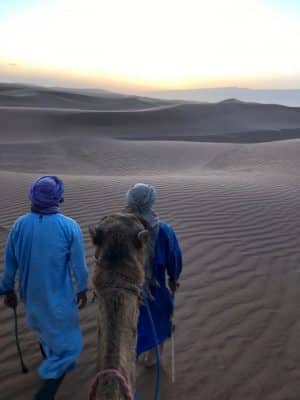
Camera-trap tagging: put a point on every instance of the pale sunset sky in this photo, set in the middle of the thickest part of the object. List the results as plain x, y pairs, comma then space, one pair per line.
137, 45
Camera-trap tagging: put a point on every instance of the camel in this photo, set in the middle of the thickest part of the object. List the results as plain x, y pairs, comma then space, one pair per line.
120, 241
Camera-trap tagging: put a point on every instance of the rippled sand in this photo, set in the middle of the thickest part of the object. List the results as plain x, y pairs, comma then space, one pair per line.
235, 208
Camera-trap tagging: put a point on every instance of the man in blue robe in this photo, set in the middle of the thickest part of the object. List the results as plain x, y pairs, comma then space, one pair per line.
165, 259
46, 249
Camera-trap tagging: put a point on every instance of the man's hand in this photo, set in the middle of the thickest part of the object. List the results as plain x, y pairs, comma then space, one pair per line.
11, 300
173, 286
81, 299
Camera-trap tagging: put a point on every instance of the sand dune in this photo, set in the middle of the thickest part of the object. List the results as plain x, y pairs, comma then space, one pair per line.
90, 155
235, 209
40, 97
222, 122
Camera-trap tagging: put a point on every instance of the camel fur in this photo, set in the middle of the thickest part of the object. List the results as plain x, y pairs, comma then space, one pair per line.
120, 242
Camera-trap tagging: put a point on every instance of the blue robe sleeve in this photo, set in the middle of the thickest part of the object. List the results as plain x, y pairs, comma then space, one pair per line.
7, 282
174, 260
77, 260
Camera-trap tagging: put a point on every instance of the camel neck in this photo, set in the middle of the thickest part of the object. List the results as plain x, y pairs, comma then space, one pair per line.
117, 333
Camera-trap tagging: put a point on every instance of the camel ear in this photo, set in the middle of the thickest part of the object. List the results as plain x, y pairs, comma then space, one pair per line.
143, 236
96, 235
92, 231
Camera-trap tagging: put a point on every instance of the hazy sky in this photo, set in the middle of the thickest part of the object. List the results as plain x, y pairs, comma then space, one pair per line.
151, 44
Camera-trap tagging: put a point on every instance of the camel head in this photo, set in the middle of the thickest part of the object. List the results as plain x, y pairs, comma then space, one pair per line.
120, 241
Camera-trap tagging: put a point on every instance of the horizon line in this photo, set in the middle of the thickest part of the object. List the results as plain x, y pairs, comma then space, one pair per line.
113, 90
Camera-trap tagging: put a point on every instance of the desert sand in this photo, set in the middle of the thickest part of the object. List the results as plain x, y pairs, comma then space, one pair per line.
228, 180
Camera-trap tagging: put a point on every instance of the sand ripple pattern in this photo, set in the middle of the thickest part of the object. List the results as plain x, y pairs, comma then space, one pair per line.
237, 312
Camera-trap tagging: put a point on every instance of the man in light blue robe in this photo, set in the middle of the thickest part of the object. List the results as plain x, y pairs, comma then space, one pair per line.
46, 249
165, 260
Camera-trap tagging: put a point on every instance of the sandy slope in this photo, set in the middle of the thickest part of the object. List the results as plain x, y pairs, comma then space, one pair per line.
222, 122
235, 207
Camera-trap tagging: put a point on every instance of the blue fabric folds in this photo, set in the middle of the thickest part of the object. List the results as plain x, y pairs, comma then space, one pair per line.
168, 261
46, 251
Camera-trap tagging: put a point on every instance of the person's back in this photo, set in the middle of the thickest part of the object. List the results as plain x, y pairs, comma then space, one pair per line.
165, 259
45, 248
45, 271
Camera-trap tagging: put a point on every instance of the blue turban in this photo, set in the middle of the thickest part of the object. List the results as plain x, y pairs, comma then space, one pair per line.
45, 194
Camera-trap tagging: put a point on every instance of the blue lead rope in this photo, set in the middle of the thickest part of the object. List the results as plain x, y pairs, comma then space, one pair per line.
157, 350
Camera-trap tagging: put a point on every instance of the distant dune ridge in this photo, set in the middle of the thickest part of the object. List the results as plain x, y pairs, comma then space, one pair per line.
227, 177
288, 97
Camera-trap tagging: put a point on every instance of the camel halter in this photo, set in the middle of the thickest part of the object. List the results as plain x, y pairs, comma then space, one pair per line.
110, 373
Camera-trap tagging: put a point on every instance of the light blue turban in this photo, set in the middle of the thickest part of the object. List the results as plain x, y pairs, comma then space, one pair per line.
143, 197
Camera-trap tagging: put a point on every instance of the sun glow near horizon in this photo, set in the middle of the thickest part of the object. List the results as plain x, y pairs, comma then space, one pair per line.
158, 45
